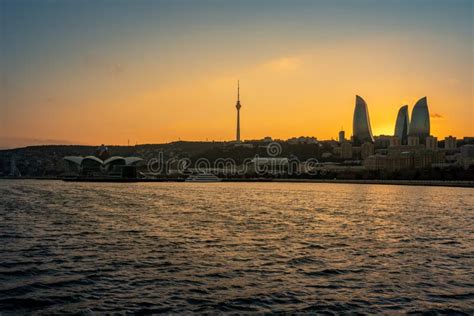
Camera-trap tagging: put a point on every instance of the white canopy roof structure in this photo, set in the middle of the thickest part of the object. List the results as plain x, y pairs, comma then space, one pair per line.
128, 161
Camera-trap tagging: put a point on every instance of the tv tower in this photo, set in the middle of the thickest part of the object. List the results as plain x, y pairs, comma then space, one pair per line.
238, 106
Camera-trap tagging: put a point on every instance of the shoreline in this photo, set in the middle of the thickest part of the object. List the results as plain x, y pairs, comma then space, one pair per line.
460, 184
454, 183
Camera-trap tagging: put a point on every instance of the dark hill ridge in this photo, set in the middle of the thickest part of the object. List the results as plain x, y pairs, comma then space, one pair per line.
38, 161
47, 160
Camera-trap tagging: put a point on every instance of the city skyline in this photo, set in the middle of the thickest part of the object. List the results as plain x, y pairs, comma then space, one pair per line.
164, 71
417, 125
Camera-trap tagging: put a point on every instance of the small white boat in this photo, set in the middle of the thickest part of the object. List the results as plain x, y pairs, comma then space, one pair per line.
203, 177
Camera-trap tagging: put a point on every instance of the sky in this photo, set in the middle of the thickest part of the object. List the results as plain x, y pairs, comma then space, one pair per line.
154, 71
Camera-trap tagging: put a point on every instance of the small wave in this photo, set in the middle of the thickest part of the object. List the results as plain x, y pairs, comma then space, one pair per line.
199, 291
30, 303
458, 296
155, 310
315, 246
450, 242
328, 272
303, 261
215, 275
24, 272
67, 282
253, 304
439, 311
330, 309
198, 301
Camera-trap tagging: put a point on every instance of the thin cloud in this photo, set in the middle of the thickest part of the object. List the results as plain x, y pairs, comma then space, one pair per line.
436, 116
282, 64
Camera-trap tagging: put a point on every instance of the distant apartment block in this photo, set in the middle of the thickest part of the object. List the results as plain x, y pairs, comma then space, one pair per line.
431, 143
418, 159
450, 143
413, 141
346, 150
367, 149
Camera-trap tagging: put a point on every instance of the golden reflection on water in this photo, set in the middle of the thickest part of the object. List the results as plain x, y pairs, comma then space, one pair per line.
241, 247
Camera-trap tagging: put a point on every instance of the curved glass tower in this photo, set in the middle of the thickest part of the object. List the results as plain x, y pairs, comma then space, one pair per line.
420, 120
401, 125
361, 129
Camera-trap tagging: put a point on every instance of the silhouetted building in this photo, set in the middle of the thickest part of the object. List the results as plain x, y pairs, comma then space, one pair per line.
450, 142
466, 158
394, 141
92, 166
413, 141
431, 143
362, 132
346, 150
468, 140
342, 136
367, 149
416, 159
420, 120
382, 141
382, 162
467, 151
402, 124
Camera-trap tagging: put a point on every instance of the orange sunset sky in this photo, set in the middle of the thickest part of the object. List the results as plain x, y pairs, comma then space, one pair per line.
92, 72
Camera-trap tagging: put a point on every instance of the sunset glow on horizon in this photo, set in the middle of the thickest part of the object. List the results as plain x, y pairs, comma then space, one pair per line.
90, 72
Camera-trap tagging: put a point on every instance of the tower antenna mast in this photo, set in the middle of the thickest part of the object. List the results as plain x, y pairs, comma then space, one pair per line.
238, 106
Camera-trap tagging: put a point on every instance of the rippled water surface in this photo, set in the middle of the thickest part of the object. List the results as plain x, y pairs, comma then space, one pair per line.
234, 247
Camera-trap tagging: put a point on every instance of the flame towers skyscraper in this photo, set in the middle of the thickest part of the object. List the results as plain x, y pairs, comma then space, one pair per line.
402, 124
361, 130
420, 120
